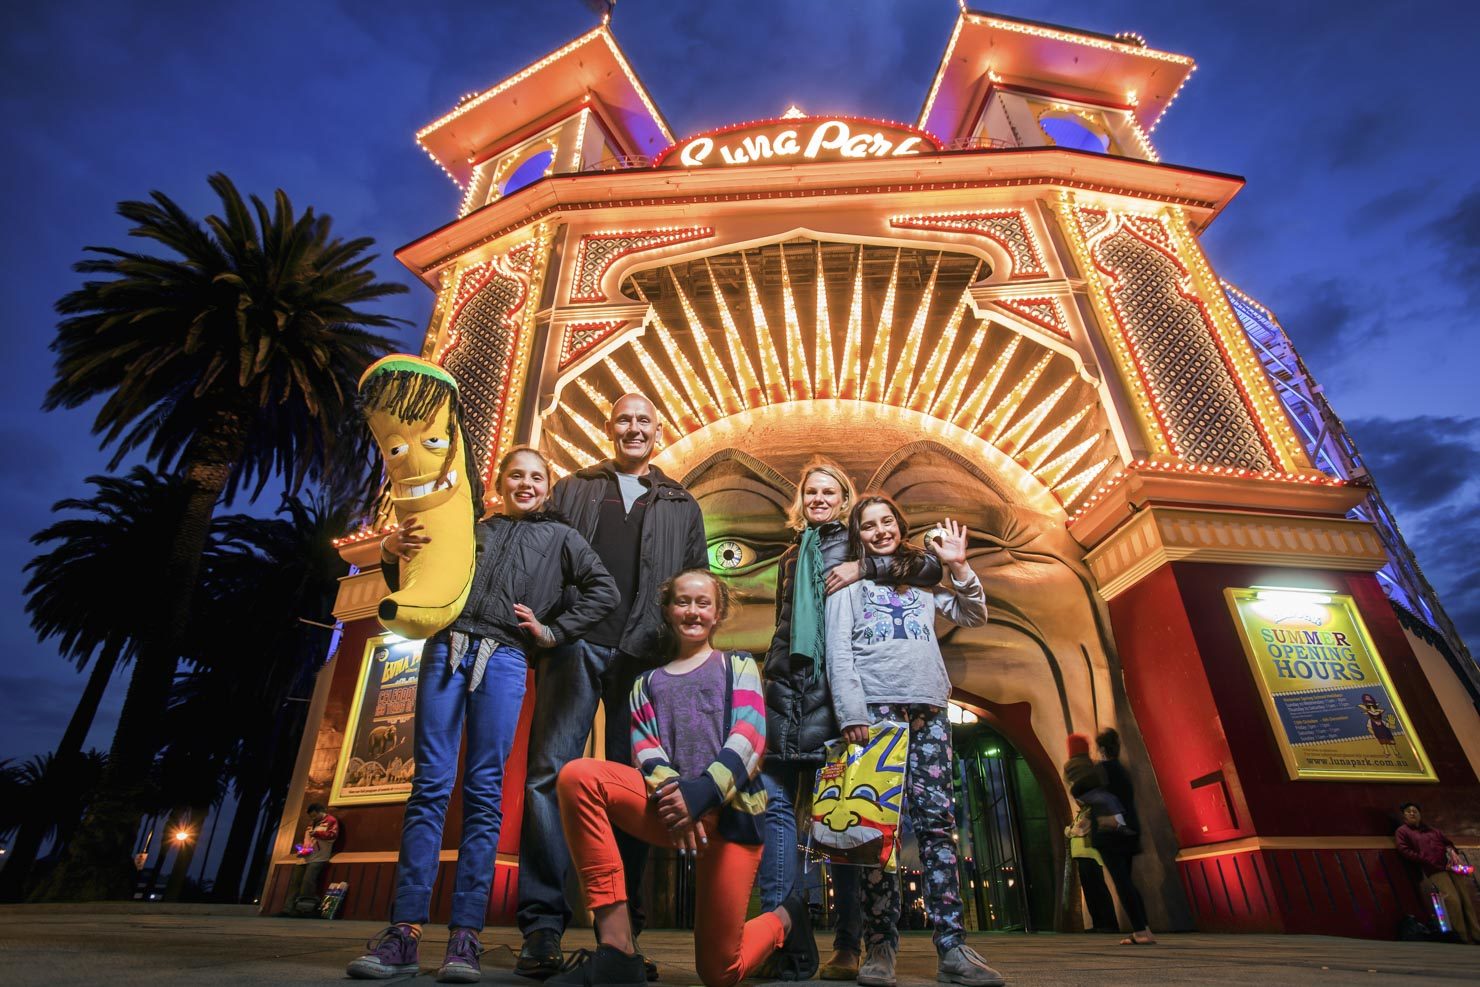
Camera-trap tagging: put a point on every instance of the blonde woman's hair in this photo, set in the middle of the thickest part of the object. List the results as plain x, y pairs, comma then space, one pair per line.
796, 518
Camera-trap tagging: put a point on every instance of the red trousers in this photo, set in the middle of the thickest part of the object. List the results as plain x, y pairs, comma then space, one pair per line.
597, 795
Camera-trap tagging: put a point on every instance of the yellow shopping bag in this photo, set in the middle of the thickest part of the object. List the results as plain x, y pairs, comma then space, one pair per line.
857, 799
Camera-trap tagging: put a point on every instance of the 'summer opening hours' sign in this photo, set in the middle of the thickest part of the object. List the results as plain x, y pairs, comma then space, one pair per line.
1335, 713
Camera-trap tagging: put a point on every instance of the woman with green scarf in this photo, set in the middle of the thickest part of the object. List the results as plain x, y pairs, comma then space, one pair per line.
799, 713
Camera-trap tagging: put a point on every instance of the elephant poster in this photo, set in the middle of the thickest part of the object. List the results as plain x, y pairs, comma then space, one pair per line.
377, 760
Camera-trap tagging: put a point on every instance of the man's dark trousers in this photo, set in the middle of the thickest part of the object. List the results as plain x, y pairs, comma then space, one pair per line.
1097, 896
569, 681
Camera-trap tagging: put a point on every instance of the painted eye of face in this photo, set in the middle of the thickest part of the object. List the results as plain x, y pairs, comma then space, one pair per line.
435, 443
866, 792
397, 451
830, 792
731, 554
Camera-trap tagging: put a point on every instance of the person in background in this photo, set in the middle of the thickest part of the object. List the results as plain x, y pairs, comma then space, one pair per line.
698, 734
319, 837
1434, 853
536, 585
799, 714
1117, 778
1091, 870
1110, 830
645, 528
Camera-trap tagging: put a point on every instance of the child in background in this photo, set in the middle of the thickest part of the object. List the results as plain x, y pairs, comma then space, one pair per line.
1090, 787
698, 735
318, 838
884, 663
473, 674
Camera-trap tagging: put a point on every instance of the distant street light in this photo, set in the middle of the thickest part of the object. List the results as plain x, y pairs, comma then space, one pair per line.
182, 836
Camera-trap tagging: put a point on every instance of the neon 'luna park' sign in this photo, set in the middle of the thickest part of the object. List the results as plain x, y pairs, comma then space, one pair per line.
798, 139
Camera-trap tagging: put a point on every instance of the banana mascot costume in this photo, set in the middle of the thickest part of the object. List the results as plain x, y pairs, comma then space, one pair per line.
412, 408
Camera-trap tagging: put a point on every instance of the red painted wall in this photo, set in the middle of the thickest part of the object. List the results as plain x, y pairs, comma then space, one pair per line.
1174, 704
1222, 776
1199, 705
1324, 807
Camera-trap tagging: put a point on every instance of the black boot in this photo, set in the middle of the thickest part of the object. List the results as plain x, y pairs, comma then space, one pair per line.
541, 956
607, 967
797, 958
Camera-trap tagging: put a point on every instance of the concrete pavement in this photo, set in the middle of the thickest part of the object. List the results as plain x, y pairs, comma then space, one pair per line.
201, 945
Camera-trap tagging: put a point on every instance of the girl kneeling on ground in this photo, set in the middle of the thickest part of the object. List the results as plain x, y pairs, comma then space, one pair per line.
698, 736
884, 663
473, 673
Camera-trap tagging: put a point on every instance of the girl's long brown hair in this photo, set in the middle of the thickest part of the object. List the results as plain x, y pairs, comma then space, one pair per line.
904, 559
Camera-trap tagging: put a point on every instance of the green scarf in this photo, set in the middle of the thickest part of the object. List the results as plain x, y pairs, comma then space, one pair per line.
808, 633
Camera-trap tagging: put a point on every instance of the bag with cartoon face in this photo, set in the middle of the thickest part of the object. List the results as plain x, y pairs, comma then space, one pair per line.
858, 796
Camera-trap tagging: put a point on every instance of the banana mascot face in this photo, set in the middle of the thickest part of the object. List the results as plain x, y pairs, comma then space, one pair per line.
411, 406
855, 809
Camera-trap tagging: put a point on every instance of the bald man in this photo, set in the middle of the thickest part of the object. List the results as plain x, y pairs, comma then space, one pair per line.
646, 528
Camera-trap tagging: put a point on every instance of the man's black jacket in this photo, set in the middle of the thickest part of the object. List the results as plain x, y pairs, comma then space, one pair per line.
672, 540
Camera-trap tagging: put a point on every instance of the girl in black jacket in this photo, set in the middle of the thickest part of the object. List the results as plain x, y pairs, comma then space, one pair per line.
799, 713
537, 583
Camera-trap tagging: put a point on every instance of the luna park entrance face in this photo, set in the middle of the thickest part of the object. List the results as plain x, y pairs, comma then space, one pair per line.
1004, 852
759, 358
945, 431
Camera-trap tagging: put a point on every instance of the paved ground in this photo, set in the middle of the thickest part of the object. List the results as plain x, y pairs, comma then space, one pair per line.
160, 945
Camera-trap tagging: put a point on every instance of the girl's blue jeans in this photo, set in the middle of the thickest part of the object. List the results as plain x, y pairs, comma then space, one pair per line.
443, 707
787, 783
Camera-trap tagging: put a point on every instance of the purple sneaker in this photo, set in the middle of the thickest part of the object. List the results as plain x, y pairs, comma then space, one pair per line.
461, 964
392, 954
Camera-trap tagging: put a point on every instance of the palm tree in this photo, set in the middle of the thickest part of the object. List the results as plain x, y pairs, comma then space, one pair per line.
281, 576
47, 793
232, 362
94, 591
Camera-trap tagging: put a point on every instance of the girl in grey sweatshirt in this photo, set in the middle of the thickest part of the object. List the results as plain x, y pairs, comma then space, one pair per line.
884, 663
881, 644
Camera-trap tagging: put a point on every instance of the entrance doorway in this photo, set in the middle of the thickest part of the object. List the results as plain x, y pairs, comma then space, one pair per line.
1006, 843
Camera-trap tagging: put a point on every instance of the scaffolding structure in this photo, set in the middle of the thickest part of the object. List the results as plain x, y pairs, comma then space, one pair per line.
1332, 449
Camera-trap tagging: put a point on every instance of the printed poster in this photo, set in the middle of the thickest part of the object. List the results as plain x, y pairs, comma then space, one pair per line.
377, 760
1334, 712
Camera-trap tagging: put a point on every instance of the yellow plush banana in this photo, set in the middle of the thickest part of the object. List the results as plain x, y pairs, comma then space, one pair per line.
411, 406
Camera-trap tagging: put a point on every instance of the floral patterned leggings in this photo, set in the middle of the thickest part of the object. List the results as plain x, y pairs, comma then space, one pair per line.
933, 815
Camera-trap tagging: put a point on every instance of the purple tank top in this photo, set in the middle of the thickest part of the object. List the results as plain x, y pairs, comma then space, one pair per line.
691, 714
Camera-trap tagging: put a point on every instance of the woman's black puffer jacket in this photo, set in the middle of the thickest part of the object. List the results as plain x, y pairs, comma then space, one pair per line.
537, 560
799, 711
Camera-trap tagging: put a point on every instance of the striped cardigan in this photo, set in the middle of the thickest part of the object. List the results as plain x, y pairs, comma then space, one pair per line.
732, 782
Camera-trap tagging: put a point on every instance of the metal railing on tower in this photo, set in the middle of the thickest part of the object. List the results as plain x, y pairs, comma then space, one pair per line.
1332, 449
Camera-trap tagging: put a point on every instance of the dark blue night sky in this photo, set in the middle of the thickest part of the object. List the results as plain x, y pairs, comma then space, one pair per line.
1353, 122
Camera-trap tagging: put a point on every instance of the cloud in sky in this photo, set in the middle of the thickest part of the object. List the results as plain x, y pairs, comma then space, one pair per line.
1457, 232
1428, 470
